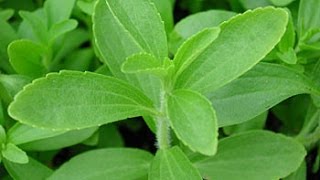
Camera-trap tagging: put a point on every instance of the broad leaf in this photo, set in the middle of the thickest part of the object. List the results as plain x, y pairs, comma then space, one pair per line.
58, 10
113, 163
255, 155
256, 91
75, 100
165, 9
27, 58
195, 23
193, 120
193, 47
32, 170
172, 164
130, 32
21, 133
238, 48
62, 28
67, 139
14, 154
309, 16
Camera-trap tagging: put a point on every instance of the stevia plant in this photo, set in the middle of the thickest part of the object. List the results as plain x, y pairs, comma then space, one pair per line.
224, 72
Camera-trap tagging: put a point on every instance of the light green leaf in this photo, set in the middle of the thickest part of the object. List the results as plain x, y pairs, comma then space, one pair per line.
11, 84
193, 120
281, 2
67, 139
27, 57
299, 174
32, 170
165, 9
288, 39
172, 164
75, 100
14, 154
195, 23
256, 91
35, 24
129, 33
113, 163
86, 7
193, 47
6, 14
254, 155
308, 17
238, 48
58, 10
20, 133
61, 28
252, 4
143, 63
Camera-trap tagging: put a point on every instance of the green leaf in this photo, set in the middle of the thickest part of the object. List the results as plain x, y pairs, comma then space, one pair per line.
281, 2
58, 10
75, 100
142, 63
3, 136
252, 4
193, 120
129, 33
195, 23
32, 170
193, 47
11, 84
256, 123
165, 9
238, 48
61, 28
14, 154
36, 24
6, 14
255, 155
250, 95
114, 163
172, 164
299, 174
86, 7
79, 60
109, 136
27, 57
20, 133
308, 17
67, 139
7, 35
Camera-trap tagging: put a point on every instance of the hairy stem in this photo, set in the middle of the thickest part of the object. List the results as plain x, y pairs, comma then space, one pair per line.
163, 130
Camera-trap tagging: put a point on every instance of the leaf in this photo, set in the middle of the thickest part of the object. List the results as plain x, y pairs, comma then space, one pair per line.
195, 23
193, 120
33, 170
281, 2
11, 84
253, 155
27, 57
130, 33
79, 60
3, 136
20, 133
252, 4
193, 47
114, 163
299, 174
62, 28
35, 24
58, 10
172, 164
230, 55
6, 14
109, 136
86, 7
67, 139
14, 154
75, 100
7, 35
308, 16
165, 9
259, 89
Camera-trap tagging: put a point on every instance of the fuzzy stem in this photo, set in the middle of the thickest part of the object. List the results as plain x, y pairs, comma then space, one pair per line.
163, 130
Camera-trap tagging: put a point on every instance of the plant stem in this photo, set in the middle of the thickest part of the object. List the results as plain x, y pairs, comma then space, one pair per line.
163, 130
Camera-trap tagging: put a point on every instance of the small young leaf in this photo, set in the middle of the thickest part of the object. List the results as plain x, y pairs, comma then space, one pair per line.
62, 28
254, 155
172, 164
193, 120
79, 60
14, 154
3, 136
58, 10
86, 7
59, 141
111, 163
76, 100
238, 48
32, 170
27, 57
193, 47
20, 133
143, 63
195, 23
250, 95
6, 14
281, 2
